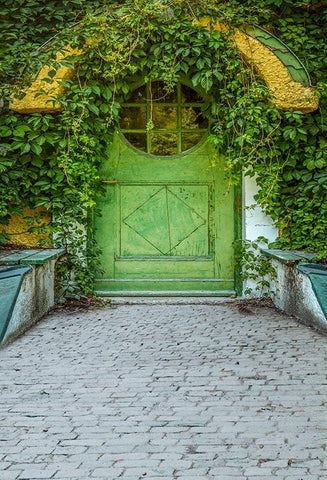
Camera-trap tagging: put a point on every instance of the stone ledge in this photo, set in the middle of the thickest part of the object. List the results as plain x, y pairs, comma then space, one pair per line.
300, 287
29, 256
288, 256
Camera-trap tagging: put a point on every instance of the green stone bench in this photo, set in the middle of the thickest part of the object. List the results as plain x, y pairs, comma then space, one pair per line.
26, 288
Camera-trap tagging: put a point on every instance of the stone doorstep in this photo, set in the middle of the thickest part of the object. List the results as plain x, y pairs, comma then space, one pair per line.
170, 300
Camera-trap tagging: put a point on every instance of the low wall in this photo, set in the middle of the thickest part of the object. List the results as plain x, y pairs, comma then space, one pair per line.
35, 292
35, 298
293, 291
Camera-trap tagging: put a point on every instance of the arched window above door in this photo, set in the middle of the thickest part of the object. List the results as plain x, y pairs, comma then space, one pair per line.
162, 122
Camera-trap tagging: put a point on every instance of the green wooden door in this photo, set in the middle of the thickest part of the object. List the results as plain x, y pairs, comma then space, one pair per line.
167, 225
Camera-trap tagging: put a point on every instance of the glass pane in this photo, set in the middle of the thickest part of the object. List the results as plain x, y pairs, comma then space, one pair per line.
138, 140
164, 144
159, 92
138, 96
189, 140
164, 117
193, 118
189, 95
133, 118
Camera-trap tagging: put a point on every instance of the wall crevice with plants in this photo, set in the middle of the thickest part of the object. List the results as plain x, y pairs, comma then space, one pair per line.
52, 161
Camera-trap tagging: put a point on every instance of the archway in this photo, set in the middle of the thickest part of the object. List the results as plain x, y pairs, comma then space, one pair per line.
278, 66
290, 89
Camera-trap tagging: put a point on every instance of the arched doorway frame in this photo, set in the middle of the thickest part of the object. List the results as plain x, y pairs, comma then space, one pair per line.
290, 89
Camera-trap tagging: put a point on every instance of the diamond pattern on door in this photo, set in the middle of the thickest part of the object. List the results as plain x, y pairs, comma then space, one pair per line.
166, 221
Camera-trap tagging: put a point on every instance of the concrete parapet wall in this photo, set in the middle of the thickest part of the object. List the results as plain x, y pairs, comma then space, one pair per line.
293, 293
35, 298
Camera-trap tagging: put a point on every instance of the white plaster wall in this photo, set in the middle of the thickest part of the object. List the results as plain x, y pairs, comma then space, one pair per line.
255, 222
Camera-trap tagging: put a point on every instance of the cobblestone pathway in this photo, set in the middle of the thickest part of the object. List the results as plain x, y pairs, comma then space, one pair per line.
163, 392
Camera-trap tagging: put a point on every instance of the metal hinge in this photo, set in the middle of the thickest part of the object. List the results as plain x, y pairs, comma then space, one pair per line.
110, 182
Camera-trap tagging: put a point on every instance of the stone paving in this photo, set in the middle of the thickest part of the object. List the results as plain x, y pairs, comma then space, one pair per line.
165, 392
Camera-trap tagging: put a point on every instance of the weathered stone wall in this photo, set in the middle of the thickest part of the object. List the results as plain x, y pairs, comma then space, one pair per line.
34, 300
293, 293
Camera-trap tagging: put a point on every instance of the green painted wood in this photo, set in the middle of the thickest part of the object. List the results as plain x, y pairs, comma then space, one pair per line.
29, 257
167, 223
238, 210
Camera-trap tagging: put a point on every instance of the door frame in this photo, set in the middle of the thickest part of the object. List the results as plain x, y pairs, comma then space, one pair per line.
237, 200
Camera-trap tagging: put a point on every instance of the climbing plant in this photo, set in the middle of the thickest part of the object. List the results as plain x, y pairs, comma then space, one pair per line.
52, 161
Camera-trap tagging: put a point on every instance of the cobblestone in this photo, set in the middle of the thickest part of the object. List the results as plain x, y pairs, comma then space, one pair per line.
164, 391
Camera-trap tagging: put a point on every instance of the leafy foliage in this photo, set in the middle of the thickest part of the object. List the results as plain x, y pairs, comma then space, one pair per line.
254, 267
53, 161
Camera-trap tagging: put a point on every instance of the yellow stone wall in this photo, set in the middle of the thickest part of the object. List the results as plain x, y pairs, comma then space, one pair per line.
287, 94
18, 229
47, 102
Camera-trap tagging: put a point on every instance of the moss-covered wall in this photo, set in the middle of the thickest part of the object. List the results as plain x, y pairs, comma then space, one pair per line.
19, 225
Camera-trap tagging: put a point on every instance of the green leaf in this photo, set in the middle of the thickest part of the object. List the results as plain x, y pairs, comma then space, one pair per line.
218, 75
5, 131
107, 93
26, 148
21, 130
37, 162
41, 183
196, 79
94, 109
52, 73
206, 83
96, 89
37, 149
105, 108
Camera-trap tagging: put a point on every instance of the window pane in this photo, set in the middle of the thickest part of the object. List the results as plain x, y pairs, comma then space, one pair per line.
164, 117
137, 96
189, 140
190, 96
158, 92
138, 140
171, 123
193, 118
164, 144
133, 118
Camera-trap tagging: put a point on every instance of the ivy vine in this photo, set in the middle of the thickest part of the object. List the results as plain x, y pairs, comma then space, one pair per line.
53, 161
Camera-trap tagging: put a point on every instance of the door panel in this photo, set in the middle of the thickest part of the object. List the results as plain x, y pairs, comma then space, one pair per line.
156, 220
167, 224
